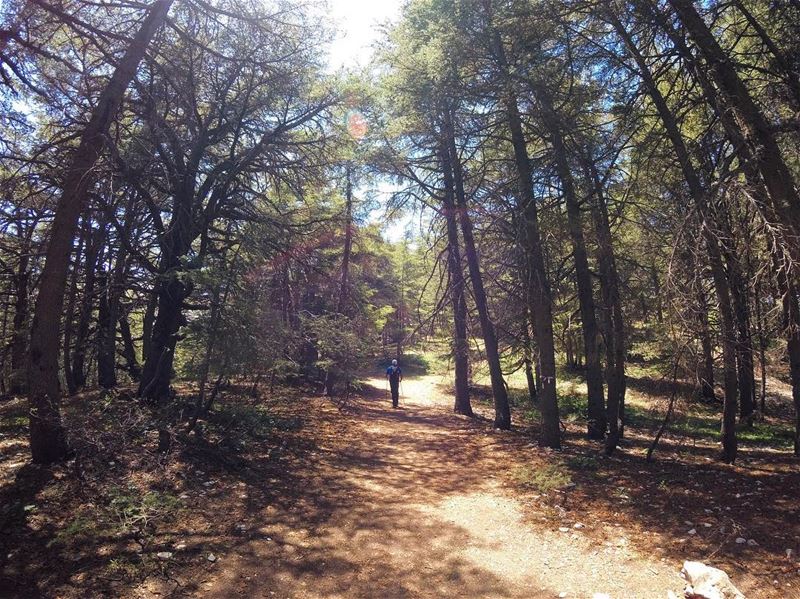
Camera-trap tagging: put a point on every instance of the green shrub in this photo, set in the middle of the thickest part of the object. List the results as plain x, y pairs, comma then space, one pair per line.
543, 479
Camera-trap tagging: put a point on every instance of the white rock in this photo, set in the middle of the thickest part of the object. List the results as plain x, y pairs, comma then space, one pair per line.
693, 531
705, 582
562, 594
789, 553
741, 540
563, 529
211, 557
578, 525
752, 542
164, 555
180, 546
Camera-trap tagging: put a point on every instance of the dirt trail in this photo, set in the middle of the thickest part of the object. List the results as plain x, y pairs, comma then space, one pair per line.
413, 503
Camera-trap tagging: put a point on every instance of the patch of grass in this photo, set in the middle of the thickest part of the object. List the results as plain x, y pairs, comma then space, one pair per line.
13, 423
767, 434
124, 568
135, 511
77, 530
543, 479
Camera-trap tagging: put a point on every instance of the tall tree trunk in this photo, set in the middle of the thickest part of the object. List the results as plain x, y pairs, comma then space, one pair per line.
596, 425
744, 341
612, 308
69, 316
106, 333
47, 436
539, 298
85, 314
157, 370
457, 290
719, 276
502, 411
762, 347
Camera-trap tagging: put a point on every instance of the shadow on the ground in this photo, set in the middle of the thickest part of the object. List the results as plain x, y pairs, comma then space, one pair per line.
306, 510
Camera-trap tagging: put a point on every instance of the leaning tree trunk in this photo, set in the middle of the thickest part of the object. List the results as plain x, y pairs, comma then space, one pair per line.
457, 291
698, 195
752, 124
782, 61
538, 285
502, 411
47, 436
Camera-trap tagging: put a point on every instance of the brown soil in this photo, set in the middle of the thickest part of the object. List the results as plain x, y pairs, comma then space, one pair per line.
369, 501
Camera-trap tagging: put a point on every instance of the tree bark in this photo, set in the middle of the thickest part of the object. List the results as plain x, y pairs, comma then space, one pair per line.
753, 125
612, 309
698, 195
782, 61
128, 347
69, 318
502, 411
93, 250
157, 370
106, 334
539, 298
457, 290
596, 415
47, 435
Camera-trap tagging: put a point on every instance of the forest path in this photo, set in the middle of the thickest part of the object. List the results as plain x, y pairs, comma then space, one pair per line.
412, 503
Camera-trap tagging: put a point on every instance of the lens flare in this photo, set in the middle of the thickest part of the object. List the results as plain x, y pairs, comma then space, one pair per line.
356, 125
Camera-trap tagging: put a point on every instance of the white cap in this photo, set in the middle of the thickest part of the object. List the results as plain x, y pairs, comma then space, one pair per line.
394, 362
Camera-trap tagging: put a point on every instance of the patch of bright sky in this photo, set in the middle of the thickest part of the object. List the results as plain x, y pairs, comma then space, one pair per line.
359, 26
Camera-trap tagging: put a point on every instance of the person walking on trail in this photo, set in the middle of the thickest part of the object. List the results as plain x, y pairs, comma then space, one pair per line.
394, 375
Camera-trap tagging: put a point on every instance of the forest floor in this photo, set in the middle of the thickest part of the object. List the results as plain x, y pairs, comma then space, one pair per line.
294, 496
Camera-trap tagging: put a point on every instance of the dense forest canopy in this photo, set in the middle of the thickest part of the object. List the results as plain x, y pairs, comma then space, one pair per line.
583, 185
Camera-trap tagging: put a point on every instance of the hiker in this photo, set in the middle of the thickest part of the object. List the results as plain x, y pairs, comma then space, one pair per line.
394, 375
